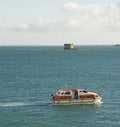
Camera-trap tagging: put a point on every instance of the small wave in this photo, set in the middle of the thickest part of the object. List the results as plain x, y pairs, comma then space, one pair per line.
12, 104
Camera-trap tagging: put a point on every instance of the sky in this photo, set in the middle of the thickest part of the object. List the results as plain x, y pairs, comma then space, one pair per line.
55, 22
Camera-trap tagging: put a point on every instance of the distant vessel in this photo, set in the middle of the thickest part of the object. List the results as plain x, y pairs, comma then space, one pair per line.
69, 46
75, 96
117, 45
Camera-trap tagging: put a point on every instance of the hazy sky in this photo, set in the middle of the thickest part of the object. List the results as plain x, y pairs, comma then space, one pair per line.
55, 22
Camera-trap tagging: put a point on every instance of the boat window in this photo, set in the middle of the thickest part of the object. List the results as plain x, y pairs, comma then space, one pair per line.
67, 92
85, 90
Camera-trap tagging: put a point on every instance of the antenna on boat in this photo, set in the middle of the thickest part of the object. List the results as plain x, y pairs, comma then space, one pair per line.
66, 86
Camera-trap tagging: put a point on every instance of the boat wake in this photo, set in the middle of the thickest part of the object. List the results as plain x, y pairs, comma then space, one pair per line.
12, 104
18, 104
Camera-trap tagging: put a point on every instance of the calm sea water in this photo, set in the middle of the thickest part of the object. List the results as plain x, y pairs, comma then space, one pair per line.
29, 75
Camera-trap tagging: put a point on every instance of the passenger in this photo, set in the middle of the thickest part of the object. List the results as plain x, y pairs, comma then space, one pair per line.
76, 95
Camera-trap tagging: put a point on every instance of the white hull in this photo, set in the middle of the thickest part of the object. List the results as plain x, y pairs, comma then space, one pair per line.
76, 102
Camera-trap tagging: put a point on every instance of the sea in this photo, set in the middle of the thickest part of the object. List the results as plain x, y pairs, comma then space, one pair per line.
30, 74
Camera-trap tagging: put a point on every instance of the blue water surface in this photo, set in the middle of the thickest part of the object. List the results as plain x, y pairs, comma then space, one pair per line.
29, 75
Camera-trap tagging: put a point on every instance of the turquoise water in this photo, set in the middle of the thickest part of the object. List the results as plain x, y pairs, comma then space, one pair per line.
29, 75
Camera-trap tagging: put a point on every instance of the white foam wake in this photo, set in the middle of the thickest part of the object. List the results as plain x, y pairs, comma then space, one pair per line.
16, 104
12, 104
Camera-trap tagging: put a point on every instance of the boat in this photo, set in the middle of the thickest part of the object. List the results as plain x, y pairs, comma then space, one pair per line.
117, 45
75, 96
69, 46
